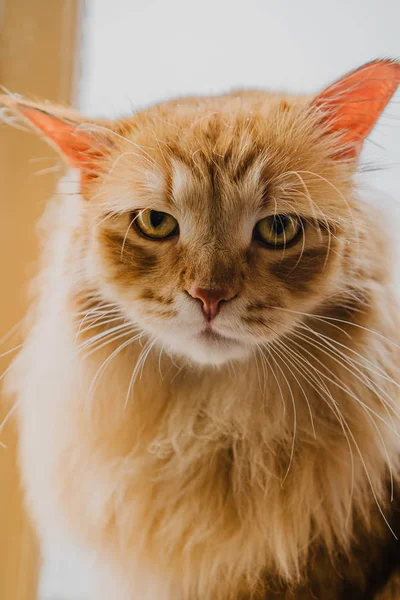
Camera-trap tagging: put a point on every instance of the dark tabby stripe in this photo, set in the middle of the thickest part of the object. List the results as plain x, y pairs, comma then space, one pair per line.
298, 271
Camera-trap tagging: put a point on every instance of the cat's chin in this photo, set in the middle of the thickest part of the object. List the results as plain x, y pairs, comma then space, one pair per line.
208, 349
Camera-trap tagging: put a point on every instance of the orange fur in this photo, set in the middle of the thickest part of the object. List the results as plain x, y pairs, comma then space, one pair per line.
255, 464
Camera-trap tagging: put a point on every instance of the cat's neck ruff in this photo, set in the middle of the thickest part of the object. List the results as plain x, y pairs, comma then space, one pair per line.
281, 452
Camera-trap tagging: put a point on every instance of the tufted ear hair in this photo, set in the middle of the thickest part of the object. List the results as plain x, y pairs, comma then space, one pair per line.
352, 105
81, 142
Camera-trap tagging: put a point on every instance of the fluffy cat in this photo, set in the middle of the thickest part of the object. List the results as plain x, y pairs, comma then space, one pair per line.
208, 392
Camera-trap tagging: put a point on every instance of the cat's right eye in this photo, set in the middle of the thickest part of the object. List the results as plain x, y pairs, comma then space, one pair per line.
278, 231
155, 224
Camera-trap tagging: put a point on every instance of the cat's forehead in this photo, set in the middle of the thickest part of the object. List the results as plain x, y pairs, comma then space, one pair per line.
216, 185
213, 158
228, 153
218, 146
196, 130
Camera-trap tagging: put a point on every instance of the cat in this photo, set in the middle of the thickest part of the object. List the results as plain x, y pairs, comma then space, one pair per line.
208, 394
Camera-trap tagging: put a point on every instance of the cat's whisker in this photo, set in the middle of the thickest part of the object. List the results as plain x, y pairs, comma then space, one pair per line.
109, 341
314, 206
95, 311
364, 363
272, 350
335, 380
106, 362
88, 320
354, 223
99, 321
256, 349
161, 350
98, 308
328, 248
159, 142
266, 370
94, 127
301, 336
11, 331
140, 361
376, 369
103, 334
369, 384
145, 356
365, 407
306, 190
329, 344
11, 350
110, 214
328, 319
4, 373
128, 153
5, 338
127, 233
281, 350
7, 418
313, 377
126, 328
379, 435
88, 317
370, 481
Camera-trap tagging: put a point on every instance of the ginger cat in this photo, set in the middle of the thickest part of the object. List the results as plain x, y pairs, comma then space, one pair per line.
209, 388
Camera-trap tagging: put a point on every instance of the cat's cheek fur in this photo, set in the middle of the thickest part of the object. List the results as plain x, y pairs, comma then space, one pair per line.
175, 326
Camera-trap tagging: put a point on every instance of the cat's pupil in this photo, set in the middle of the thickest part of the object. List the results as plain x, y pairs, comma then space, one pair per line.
279, 225
156, 218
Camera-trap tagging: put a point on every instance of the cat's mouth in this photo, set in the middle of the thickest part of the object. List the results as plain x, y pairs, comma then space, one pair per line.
211, 336
206, 345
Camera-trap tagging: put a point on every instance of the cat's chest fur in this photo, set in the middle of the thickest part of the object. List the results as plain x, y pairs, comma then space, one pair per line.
213, 476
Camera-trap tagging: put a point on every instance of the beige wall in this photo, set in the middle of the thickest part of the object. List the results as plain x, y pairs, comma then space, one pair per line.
38, 41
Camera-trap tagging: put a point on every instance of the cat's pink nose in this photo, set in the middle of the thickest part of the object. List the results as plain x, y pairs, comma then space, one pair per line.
211, 299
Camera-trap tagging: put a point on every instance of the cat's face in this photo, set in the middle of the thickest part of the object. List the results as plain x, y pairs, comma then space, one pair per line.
216, 236
214, 224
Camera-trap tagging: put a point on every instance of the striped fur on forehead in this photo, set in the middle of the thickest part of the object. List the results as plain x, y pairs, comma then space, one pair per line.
267, 143
211, 208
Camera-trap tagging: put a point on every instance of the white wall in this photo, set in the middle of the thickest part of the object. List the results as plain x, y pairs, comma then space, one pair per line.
140, 51
143, 51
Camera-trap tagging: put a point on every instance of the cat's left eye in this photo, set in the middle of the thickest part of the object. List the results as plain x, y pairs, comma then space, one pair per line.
278, 231
156, 225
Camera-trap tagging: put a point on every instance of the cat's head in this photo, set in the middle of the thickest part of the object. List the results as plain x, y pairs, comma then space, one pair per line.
215, 223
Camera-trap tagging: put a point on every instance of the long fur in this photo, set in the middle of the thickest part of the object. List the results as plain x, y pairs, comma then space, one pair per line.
189, 476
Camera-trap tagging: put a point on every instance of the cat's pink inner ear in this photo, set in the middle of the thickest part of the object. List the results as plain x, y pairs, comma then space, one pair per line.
73, 143
81, 147
352, 105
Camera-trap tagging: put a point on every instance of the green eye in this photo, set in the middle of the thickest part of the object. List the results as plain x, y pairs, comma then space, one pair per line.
278, 231
155, 224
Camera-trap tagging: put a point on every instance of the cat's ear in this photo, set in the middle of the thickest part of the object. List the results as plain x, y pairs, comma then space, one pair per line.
81, 142
352, 105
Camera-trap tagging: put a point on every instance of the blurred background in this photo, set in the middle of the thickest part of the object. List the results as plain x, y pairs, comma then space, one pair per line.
109, 59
